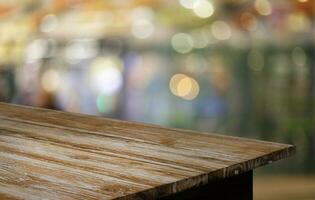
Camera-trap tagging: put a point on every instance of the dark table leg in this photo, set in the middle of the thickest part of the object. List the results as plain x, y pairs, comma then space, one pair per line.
236, 187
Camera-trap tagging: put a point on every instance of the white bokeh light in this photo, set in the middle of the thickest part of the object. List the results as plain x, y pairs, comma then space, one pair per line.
203, 9
182, 43
221, 30
142, 28
106, 75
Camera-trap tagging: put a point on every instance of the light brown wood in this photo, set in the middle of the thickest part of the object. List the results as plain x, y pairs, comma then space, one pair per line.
46, 154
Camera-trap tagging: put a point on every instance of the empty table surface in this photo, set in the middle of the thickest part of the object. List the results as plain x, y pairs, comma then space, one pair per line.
46, 154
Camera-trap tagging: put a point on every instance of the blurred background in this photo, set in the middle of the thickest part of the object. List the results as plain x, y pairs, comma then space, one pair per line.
236, 67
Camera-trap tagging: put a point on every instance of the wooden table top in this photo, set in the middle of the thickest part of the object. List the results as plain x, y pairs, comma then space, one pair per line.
46, 154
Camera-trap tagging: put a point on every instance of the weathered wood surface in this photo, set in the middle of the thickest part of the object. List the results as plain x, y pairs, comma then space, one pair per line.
46, 154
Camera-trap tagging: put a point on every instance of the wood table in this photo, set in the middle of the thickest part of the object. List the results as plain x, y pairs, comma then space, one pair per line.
46, 154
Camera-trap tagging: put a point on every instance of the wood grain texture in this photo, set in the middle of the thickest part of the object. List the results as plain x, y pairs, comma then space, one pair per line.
46, 154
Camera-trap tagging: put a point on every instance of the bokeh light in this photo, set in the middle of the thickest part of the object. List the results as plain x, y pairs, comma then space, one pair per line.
80, 49
49, 23
142, 28
35, 50
249, 21
203, 8
263, 7
184, 86
106, 75
105, 104
298, 22
188, 3
182, 43
221, 30
142, 22
174, 82
50, 80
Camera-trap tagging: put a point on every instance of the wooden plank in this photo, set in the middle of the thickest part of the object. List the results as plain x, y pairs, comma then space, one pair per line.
46, 154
